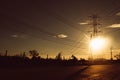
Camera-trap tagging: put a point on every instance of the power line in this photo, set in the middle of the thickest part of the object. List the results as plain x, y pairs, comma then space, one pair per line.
107, 9
37, 36
110, 32
77, 45
62, 19
28, 26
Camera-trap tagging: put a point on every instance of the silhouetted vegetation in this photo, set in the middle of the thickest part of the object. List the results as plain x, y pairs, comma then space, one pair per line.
36, 60
117, 56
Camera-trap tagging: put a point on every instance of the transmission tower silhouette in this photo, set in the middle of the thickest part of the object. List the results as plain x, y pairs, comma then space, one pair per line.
94, 22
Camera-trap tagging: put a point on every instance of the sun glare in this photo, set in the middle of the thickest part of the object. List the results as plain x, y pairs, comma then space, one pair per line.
97, 44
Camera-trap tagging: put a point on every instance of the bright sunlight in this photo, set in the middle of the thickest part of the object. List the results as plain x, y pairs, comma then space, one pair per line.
98, 44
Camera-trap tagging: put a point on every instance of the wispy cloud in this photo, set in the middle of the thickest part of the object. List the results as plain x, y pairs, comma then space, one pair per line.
15, 36
18, 36
84, 22
118, 14
114, 26
61, 36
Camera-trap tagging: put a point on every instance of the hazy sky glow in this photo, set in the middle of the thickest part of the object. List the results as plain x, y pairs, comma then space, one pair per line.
52, 26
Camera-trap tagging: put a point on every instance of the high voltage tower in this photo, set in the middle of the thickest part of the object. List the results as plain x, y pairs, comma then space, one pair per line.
94, 22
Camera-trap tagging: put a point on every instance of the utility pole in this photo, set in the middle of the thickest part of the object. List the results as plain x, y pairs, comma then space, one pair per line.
111, 53
6, 52
47, 57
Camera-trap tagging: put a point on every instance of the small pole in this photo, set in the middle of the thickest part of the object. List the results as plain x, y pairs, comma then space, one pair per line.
111, 53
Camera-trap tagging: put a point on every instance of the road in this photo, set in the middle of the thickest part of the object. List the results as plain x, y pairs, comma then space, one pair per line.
93, 72
99, 72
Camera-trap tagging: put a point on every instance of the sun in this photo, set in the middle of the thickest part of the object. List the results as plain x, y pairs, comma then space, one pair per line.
97, 44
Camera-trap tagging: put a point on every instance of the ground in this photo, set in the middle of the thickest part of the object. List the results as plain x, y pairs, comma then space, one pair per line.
92, 72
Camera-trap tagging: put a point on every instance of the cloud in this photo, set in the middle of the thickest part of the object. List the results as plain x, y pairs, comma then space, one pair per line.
85, 22
61, 36
18, 36
114, 26
118, 14
15, 36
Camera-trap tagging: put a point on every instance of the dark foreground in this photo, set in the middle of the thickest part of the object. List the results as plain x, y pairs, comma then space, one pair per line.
93, 72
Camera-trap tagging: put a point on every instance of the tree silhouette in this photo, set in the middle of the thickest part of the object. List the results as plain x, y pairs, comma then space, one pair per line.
117, 56
34, 53
59, 56
74, 57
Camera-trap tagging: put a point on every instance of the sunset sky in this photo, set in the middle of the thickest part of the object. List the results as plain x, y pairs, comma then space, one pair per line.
53, 26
